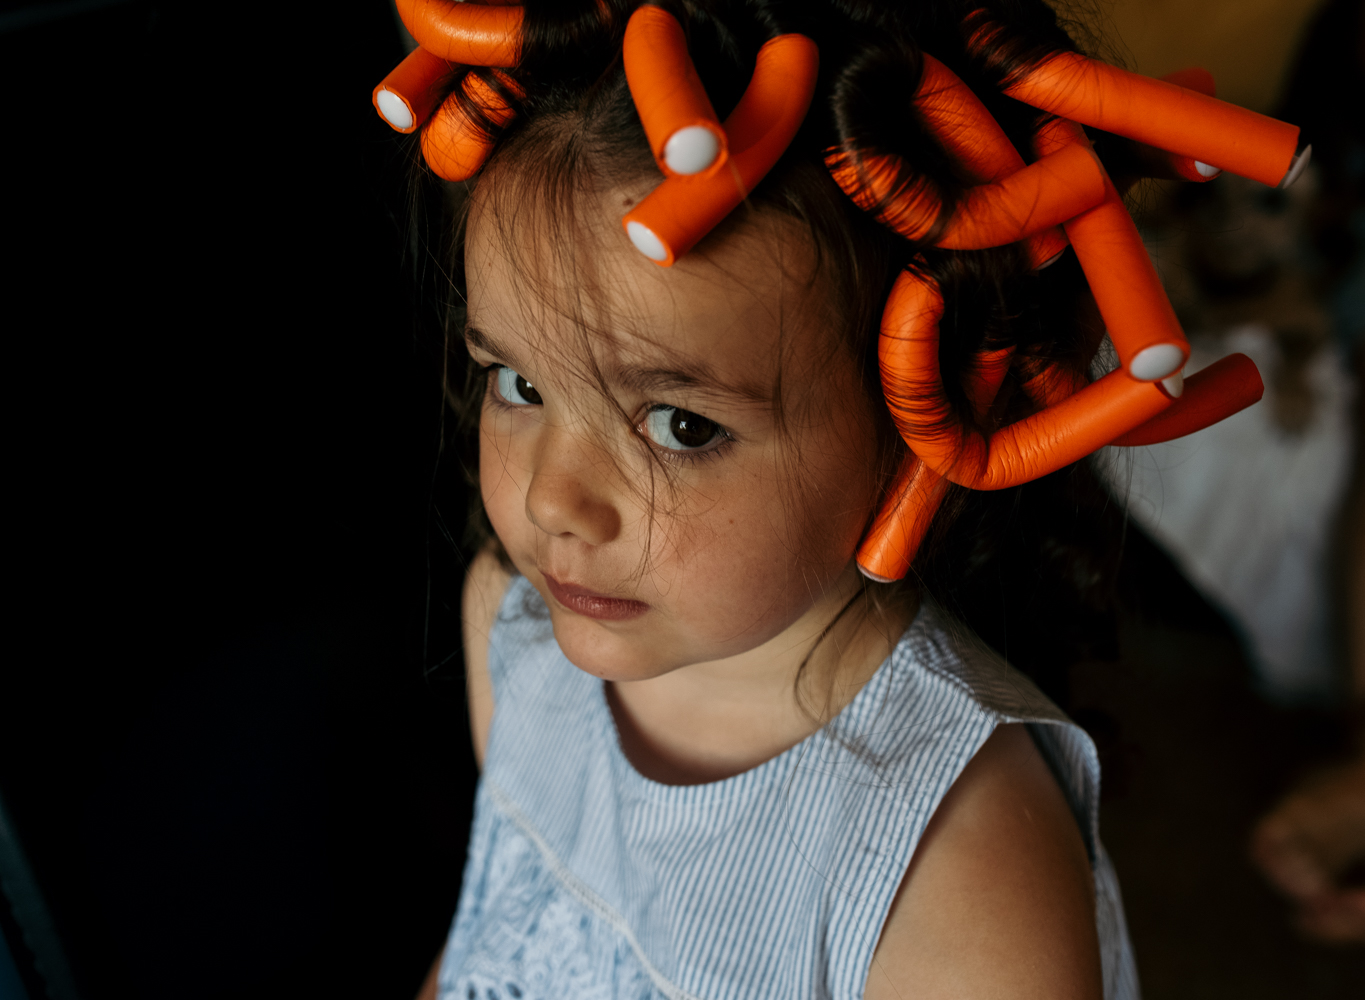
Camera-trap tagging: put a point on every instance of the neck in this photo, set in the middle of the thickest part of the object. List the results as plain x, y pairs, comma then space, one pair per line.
709, 721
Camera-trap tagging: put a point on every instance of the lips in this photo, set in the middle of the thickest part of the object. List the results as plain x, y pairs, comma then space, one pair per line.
591, 604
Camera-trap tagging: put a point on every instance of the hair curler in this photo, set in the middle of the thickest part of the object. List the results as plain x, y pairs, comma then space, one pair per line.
1154, 162
1035, 446
903, 521
474, 34
1187, 168
1215, 393
1227, 386
1141, 323
1021, 204
1028, 202
455, 147
1147, 399
450, 34
680, 211
684, 133
1195, 78
967, 131
1163, 114
407, 96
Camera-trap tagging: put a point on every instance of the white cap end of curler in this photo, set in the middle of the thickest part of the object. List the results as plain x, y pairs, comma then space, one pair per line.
1206, 169
1175, 385
1298, 166
646, 242
1051, 260
1151, 364
873, 576
394, 109
691, 150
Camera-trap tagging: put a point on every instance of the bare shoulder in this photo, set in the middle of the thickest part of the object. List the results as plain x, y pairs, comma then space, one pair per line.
484, 586
999, 898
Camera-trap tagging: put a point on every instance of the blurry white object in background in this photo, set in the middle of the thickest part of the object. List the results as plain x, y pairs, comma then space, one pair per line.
1249, 510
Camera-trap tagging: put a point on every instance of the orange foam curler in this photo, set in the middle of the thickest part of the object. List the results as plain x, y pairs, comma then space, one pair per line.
1124, 407
1195, 78
1161, 114
475, 34
1141, 323
1173, 166
963, 125
889, 547
681, 210
914, 498
684, 133
1033, 447
1021, 204
1055, 189
455, 147
1225, 387
966, 129
407, 96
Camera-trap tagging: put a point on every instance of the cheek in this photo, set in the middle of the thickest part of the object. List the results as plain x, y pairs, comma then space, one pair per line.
750, 562
503, 476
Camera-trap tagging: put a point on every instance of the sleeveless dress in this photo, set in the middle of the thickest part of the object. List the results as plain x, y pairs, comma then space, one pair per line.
587, 881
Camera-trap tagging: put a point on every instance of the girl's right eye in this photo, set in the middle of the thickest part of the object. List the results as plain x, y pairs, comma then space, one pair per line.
514, 389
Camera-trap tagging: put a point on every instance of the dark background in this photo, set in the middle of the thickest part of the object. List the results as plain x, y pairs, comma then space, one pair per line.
232, 732
231, 749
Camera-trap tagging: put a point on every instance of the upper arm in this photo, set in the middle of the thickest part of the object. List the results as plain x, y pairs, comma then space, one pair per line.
484, 586
999, 898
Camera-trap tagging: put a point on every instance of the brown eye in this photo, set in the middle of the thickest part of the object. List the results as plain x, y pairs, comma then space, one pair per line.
516, 390
680, 430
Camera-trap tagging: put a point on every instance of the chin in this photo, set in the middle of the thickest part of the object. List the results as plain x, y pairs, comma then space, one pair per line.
607, 653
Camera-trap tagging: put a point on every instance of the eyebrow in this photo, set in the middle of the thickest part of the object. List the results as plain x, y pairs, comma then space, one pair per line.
479, 340
699, 378
696, 377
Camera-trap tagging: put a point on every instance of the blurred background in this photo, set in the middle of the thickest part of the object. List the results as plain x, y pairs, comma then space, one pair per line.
234, 760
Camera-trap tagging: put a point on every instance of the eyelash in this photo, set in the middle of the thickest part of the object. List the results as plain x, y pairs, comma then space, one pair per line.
694, 457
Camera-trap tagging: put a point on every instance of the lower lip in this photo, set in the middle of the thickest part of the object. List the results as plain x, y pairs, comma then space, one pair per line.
590, 605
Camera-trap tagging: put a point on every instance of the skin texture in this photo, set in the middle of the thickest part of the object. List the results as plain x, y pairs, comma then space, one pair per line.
745, 557
998, 900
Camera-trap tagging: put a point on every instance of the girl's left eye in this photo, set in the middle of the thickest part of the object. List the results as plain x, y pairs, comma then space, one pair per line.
680, 430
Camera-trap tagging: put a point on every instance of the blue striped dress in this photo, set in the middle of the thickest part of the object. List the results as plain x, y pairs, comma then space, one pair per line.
587, 881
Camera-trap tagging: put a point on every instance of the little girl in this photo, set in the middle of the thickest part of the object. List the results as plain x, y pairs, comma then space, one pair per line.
718, 760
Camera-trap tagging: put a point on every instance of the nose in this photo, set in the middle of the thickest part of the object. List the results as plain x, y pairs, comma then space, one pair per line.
570, 495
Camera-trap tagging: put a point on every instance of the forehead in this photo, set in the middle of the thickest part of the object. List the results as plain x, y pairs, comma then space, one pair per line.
745, 303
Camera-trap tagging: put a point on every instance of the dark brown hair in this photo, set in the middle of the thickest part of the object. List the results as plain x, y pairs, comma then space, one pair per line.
1030, 569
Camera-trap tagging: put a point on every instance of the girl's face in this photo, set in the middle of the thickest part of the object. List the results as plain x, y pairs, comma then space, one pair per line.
634, 458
